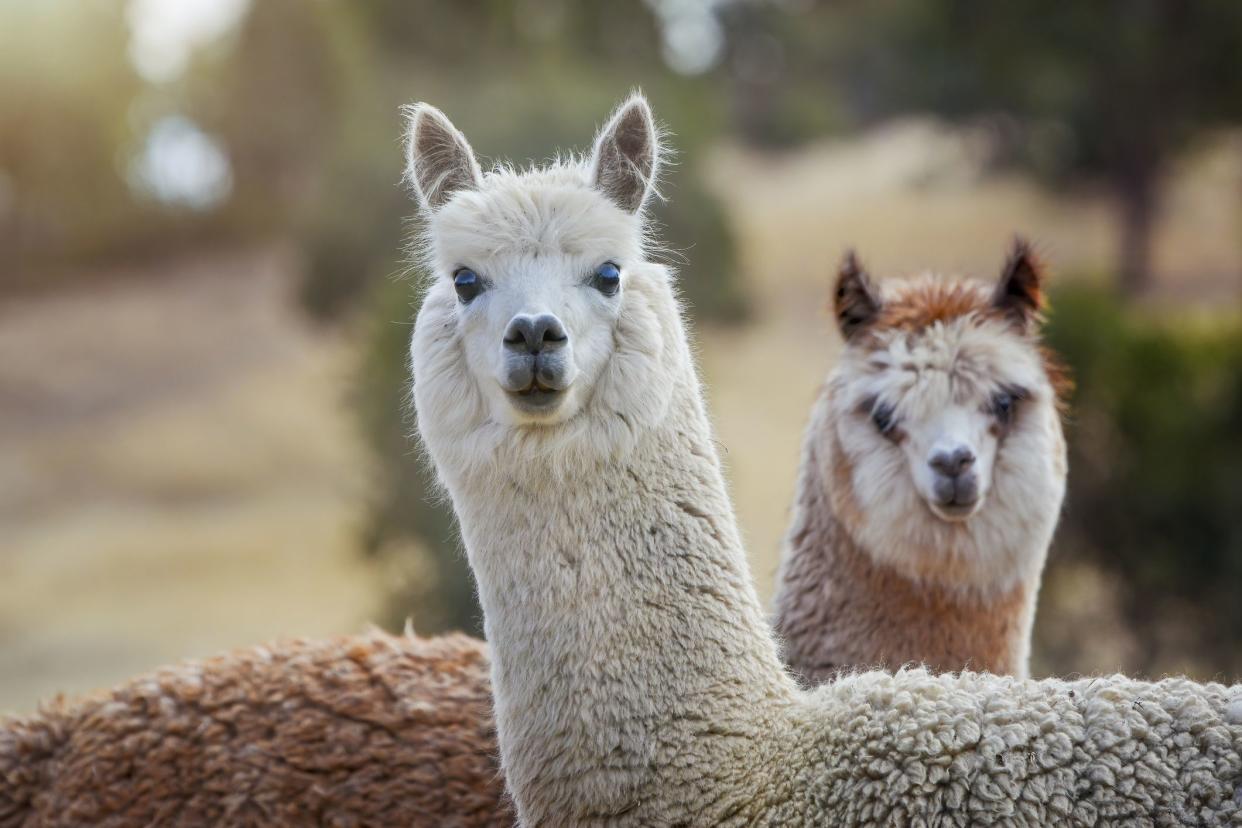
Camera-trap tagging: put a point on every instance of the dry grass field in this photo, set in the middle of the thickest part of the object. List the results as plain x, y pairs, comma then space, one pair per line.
180, 473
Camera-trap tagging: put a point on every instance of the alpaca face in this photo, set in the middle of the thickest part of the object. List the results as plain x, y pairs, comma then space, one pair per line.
542, 315
940, 401
944, 413
545, 266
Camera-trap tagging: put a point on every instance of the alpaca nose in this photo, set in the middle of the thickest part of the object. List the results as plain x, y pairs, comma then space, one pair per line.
953, 463
534, 334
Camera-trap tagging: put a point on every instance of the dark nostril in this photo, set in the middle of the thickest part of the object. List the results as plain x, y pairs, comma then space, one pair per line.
533, 334
553, 330
953, 463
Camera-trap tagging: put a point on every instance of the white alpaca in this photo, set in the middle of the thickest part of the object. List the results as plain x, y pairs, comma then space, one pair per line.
933, 471
635, 679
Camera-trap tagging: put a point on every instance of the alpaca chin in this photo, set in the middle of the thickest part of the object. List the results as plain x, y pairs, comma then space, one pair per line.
954, 512
541, 408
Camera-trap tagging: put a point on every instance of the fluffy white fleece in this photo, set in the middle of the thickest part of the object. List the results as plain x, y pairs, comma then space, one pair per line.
636, 680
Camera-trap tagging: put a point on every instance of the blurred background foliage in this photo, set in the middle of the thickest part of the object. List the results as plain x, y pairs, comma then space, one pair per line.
219, 155
1156, 482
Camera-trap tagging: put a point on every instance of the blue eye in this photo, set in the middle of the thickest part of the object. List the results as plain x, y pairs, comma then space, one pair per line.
467, 283
607, 279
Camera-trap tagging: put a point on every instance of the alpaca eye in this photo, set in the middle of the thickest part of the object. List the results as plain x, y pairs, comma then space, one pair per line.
607, 279
1002, 406
467, 283
882, 416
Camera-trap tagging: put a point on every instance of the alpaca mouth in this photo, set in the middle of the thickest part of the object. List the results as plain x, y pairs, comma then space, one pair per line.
537, 387
537, 398
955, 497
954, 511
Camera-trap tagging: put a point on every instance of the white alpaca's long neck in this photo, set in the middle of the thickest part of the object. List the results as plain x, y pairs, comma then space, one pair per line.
578, 575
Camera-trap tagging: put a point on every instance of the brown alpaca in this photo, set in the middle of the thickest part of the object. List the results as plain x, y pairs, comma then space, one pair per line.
351, 731
932, 476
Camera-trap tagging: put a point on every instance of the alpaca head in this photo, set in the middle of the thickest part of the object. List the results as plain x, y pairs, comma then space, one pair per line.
543, 319
945, 410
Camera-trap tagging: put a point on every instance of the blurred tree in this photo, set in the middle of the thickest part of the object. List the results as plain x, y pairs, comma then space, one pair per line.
1155, 486
779, 56
1107, 91
274, 95
62, 131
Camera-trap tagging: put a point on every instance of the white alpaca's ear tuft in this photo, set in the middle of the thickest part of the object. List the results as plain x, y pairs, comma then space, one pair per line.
1019, 294
856, 302
626, 160
438, 159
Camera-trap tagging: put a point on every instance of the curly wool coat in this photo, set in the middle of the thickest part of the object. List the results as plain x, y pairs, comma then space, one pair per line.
349, 731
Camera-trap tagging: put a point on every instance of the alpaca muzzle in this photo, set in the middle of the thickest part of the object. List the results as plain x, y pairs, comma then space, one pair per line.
527, 374
955, 484
957, 494
537, 363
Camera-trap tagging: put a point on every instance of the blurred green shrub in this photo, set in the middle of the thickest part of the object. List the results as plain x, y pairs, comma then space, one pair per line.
694, 229
410, 531
1155, 483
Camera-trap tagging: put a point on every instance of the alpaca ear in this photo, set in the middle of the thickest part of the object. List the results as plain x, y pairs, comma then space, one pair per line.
627, 155
856, 301
438, 159
1018, 294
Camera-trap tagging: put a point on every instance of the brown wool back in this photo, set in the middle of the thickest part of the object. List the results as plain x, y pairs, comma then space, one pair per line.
349, 731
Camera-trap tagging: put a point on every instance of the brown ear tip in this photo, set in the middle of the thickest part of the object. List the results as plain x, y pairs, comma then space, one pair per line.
850, 271
851, 275
1024, 253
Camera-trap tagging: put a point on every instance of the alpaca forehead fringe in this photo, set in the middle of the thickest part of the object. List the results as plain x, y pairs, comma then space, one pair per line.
566, 170
951, 325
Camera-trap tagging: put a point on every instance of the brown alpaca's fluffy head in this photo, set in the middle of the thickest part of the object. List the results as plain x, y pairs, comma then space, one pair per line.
947, 444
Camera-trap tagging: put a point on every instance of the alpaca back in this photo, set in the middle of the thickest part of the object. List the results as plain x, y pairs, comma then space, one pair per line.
355, 730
